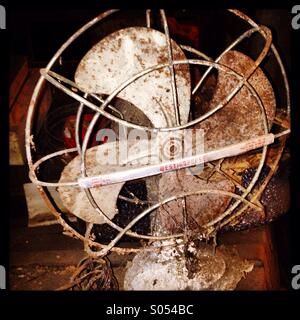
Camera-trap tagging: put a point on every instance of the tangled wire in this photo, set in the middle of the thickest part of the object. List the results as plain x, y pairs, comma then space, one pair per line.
93, 275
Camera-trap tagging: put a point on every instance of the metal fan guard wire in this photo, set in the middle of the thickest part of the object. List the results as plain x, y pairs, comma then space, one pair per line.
209, 228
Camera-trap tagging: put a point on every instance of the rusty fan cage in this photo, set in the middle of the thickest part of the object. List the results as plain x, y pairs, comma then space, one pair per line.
247, 197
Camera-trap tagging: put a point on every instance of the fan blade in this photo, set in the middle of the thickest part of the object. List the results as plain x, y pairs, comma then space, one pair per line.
123, 54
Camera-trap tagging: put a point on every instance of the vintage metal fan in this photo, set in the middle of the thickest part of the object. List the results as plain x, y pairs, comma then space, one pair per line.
142, 80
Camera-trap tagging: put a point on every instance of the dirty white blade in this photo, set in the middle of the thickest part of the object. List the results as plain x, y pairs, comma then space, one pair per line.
100, 160
123, 54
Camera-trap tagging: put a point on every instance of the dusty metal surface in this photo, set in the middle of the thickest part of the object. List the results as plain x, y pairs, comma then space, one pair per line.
97, 161
200, 208
241, 118
100, 159
193, 268
228, 126
122, 55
